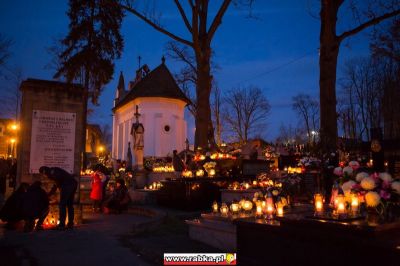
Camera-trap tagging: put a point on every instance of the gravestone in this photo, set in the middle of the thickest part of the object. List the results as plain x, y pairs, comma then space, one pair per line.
396, 171
50, 130
251, 168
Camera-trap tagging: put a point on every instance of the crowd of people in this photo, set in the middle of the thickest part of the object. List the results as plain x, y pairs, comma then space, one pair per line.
30, 203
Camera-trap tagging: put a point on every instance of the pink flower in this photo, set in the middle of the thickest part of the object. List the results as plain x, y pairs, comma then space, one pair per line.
338, 171
354, 164
375, 176
386, 185
356, 187
384, 194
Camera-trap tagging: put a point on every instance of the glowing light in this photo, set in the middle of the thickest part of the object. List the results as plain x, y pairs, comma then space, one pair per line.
200, 173
163, 169
235, 207
215, 207
318, 201
224, 209
187, 173
14, 127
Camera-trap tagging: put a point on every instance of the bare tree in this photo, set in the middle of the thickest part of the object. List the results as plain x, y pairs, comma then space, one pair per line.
363, 87
308, 110
347, 114
5, 45
187, 76
216, 113
330, 42
386, 44
11, 95
106, 136
201, 32
246, 112
55, 50
290, 135
187, 80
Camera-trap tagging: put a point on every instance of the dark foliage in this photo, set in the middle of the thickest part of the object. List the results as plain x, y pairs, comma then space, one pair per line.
92, 44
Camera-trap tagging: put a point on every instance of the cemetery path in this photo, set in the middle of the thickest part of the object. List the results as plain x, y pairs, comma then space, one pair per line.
96, 242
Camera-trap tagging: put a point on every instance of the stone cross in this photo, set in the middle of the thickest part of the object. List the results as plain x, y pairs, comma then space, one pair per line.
137, 115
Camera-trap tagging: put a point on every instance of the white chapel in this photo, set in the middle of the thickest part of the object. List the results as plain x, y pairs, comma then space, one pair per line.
161, 106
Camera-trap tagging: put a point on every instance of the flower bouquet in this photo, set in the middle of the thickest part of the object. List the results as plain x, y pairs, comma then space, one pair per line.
378, 193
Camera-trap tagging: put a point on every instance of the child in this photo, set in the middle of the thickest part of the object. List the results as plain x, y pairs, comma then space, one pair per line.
97, 189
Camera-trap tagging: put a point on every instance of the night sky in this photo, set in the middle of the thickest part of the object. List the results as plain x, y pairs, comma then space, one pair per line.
277, 51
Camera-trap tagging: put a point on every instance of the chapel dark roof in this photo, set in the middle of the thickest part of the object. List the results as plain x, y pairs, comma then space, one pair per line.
157, 83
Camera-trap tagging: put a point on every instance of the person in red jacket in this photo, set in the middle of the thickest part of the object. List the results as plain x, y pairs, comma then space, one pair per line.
97, 190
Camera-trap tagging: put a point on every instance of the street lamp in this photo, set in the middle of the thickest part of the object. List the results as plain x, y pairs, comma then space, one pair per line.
12, 144
101, 149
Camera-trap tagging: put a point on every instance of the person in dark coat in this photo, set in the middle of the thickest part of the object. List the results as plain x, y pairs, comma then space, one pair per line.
67, 185
178, 164
12, 174
12, 209
3, 179
35, 206
105, 179
119, 200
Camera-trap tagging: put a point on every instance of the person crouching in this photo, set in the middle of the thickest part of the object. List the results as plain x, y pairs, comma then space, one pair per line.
119, 199
35, 206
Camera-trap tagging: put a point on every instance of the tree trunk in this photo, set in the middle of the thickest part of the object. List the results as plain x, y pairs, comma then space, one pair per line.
84, 122
204, 135
329, 50
203, 112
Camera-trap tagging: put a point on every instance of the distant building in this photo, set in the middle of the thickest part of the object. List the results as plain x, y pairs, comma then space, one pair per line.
8, 138
94, 140
161, 107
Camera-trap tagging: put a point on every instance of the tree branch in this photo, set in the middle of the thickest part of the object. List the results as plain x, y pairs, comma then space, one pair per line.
367, 24
155, 26
218, 19
191, 3
184, 17
181, 54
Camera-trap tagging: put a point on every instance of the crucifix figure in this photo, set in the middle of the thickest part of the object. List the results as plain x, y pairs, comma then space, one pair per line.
137, 132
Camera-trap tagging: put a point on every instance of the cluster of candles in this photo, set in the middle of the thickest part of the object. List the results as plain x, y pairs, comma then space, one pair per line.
154, 186
241, 186
163, 169
263, 208
295, 170
187, 173
50, 222
266, 183
214, 156
339, 206
87, 172
219, 156
198, 173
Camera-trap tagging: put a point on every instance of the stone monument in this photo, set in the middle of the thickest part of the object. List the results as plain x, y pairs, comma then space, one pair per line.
137, 132
51, 126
